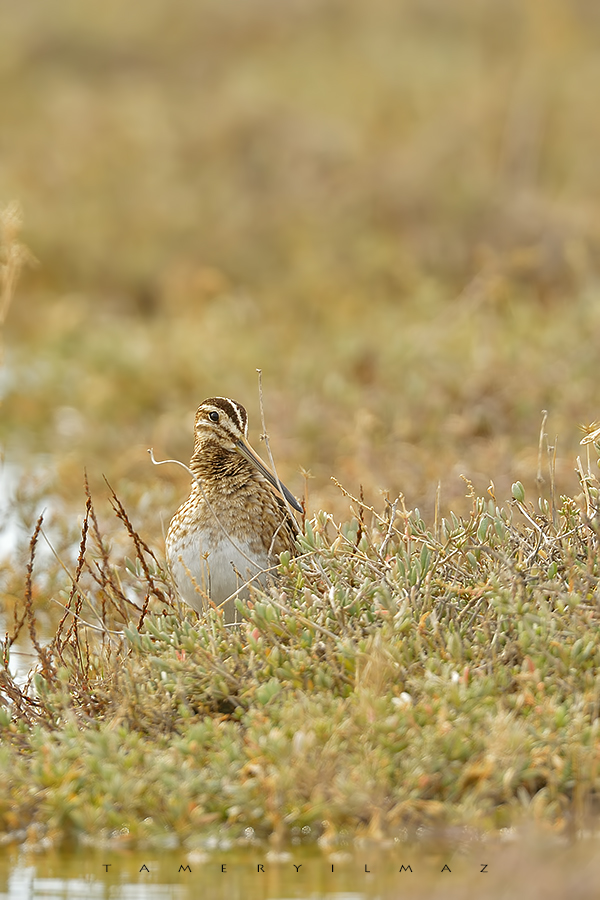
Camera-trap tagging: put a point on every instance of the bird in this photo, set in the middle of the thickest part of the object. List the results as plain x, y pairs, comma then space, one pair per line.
237, 519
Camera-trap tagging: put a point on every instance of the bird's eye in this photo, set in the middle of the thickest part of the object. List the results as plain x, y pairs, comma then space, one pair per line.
213, 416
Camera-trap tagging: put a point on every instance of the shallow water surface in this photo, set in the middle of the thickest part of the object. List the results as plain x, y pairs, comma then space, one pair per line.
533, 868
9, 529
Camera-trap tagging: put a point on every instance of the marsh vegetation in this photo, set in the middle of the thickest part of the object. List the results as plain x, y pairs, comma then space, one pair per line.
392, 209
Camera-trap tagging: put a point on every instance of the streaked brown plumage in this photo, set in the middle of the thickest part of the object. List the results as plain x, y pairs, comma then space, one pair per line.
235, 521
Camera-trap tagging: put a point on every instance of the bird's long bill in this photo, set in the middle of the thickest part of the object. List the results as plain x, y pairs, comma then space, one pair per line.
246, 450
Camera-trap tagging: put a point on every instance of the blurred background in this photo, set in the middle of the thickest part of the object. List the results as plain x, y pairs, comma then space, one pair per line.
391, 208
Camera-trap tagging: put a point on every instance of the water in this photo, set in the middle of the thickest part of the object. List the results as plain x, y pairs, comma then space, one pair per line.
10, 531
22, 657
539, 868
14, 535
252, 876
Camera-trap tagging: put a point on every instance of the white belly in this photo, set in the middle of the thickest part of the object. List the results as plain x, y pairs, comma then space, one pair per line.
218, 572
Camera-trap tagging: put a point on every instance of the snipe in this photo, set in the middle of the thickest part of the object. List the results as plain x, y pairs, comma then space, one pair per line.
235, 521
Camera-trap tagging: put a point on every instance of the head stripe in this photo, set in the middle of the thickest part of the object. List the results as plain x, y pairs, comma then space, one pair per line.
231, 408
240, 412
